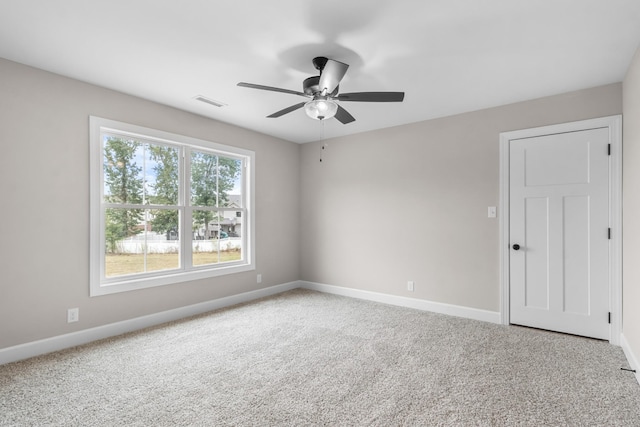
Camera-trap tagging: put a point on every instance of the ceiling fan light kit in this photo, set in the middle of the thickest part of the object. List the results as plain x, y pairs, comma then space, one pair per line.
321, 108
323, 90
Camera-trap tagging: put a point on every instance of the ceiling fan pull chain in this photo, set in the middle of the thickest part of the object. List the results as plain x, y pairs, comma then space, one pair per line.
322, 139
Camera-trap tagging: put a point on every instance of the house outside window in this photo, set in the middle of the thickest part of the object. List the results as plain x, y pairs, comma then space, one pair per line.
164, 208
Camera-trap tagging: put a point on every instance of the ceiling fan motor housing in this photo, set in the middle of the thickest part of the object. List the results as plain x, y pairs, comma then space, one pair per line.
311, 87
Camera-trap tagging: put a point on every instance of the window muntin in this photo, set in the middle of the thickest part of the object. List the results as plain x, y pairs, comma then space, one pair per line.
166, 208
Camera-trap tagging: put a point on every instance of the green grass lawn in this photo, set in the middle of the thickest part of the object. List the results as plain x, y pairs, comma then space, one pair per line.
123, 264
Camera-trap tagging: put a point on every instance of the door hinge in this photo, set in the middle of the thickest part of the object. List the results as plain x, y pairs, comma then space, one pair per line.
609, 149
609, 233
609, 317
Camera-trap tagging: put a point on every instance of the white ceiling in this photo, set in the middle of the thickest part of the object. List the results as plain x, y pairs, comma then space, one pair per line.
448, 56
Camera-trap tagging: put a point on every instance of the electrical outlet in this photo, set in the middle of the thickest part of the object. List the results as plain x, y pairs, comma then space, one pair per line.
410, 286
259, 278
73, 315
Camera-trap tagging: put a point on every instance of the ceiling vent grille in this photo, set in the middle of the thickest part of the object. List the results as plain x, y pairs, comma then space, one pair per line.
209, 101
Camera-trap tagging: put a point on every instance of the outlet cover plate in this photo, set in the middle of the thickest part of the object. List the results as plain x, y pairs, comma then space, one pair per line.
73, 315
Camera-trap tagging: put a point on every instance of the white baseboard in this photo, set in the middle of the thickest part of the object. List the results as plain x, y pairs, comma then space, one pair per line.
419, 304
48, 345
631, 357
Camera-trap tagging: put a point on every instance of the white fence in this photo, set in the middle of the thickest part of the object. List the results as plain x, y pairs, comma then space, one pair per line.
172, 246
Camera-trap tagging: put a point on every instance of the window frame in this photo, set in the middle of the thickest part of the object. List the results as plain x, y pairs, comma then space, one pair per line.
98, 283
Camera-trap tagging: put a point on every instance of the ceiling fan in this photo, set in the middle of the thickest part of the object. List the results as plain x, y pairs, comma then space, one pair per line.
323, 91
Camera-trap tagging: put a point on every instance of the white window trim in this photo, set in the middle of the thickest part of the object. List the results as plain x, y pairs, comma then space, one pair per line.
98, 286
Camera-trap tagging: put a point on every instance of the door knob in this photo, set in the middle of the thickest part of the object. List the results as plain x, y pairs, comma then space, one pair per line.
516, 247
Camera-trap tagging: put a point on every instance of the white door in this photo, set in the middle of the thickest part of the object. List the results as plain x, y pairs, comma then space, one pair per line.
559, 232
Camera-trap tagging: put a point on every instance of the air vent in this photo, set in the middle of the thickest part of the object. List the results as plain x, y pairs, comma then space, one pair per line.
209, 101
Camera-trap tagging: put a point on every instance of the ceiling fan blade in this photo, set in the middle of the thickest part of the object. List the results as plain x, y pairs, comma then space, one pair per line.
286, 110
331, 75
272, 89
343, 116
372, 96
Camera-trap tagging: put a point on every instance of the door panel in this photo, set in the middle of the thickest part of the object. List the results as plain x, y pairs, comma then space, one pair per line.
547, 163
559, 208
576, 255
535, 252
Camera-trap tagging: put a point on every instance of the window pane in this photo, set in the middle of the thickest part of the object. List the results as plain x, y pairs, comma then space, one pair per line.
231, 245
205, 233
121, 224
163, 240
215, 239
231, 223
204, 179
123, 180
164, 224
215, 180
161, 174
132, 244
230, 182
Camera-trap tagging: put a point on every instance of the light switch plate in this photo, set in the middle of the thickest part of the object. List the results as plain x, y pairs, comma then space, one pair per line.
491, 212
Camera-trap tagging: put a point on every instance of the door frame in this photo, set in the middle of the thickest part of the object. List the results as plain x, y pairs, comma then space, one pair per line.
614, 124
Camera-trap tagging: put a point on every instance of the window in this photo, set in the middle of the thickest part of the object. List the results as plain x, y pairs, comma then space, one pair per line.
166, 208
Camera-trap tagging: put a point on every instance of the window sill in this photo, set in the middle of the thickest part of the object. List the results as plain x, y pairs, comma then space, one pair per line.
112, 287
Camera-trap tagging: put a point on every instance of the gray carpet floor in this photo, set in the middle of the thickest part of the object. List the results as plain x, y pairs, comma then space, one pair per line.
307, 358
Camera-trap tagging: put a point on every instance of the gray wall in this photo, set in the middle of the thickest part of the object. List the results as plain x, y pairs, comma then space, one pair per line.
44, 193
410, 202
631, 209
